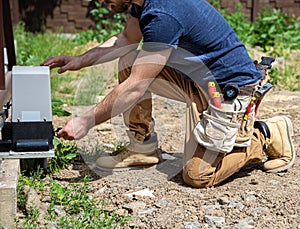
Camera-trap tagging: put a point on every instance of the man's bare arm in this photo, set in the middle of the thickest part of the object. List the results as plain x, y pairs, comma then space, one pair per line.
116, 46
113, 48
125, 95
121, 98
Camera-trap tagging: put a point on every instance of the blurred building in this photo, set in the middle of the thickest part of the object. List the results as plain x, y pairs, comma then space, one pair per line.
71, 16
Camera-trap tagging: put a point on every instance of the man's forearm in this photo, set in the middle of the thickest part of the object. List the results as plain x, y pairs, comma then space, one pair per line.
122, 98
147, 66
112, 49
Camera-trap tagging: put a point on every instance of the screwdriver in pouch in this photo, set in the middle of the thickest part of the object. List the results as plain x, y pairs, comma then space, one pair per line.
216, 98
248, 110
214, 94
211, 88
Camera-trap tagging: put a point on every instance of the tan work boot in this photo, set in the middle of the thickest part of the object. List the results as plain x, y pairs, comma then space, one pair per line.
135, 154
279, 146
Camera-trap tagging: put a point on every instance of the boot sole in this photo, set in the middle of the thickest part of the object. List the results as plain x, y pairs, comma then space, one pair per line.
133, 164
123, 169
290, 135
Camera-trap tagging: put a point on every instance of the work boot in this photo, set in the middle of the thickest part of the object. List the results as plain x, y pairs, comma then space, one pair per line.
279, 147
135, 154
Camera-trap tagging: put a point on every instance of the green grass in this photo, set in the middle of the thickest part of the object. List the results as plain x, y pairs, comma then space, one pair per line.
33, 49
79, 209
89, 88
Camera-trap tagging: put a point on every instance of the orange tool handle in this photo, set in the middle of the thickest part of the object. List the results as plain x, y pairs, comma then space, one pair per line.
211, 88
216, 99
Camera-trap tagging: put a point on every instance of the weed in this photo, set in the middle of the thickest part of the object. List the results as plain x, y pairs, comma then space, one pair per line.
57, 109
64, 153
119, 147
78, 209
33, 181
31, 219
82, 210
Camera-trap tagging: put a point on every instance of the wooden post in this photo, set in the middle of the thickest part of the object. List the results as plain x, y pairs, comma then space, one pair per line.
255, 9
2, 74
15, 15
8, 35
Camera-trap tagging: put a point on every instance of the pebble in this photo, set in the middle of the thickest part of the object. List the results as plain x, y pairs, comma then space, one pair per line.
146, 211
210, 208
244, 224
254, 182
192, 225
223, 200
162, 203
233, 204
59, 210
214, 220
274, 182
33, 199
134, 206
52, 225
100, 191
192, 191
250, 198
258, 211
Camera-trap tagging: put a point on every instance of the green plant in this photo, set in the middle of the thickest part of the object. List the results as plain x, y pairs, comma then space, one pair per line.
238, 22
33, 49
64, 154
57, 109
31, 219
272, 30
275, 31
82, 210
79, 208
34, 181
106, 25
119, 147
287, 77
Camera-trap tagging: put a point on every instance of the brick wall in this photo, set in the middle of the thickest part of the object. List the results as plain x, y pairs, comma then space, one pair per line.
252, 7
72, 15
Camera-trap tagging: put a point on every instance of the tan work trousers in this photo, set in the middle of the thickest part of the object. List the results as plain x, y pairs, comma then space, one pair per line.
202, 168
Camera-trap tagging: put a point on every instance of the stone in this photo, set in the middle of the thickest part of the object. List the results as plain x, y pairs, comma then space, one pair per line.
214, 220
9, 173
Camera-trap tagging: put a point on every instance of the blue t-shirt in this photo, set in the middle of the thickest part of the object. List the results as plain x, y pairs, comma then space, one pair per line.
204, 44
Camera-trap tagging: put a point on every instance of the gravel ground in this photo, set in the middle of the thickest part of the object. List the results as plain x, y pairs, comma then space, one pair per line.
249, 199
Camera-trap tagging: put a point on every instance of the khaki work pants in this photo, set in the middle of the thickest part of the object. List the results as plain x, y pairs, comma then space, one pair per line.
202, 168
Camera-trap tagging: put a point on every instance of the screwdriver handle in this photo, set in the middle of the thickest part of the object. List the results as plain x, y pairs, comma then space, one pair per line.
216, 98
211, 88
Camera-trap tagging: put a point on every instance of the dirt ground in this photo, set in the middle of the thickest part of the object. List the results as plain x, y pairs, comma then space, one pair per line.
249, 199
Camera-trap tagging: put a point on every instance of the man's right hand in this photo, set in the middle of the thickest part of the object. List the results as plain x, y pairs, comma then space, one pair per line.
63, 62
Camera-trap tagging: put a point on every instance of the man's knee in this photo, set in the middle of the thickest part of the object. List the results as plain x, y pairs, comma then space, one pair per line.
195, 175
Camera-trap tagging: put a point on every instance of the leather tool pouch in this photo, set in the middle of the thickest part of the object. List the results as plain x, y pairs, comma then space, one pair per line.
221, 129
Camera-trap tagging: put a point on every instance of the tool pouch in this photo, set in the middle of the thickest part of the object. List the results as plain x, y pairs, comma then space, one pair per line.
221, 129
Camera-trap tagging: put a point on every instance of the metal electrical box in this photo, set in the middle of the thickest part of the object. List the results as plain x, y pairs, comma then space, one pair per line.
31, 95
28, 132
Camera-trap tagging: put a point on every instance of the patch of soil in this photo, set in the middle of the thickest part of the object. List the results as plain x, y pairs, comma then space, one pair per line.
250, 198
